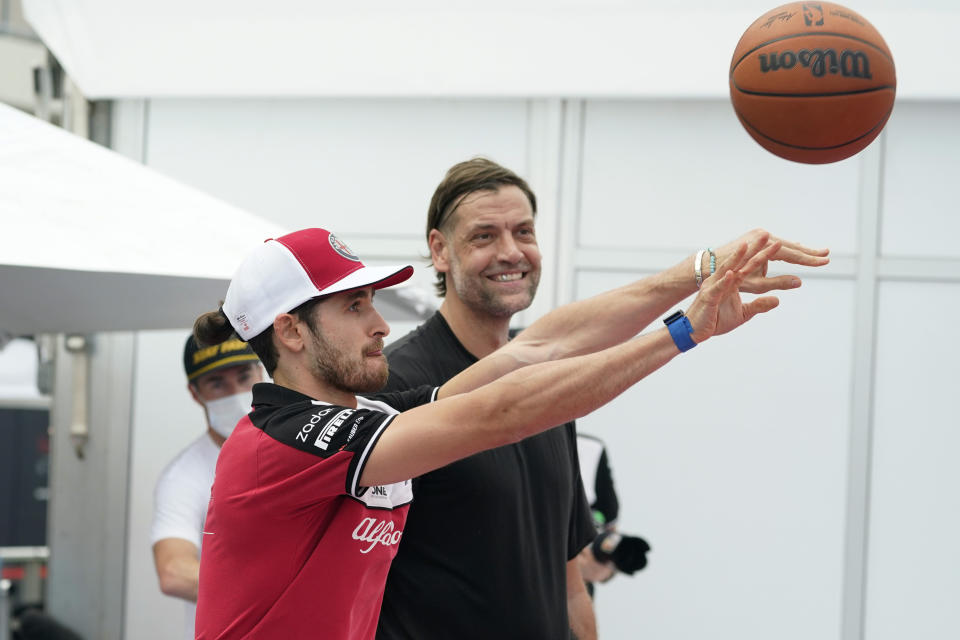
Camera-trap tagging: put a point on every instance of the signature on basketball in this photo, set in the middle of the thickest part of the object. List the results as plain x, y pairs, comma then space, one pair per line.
783, 16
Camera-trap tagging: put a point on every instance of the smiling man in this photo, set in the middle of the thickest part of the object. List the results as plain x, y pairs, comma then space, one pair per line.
491, 543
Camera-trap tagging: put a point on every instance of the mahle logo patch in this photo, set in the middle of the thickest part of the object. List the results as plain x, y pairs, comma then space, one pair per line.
341, 248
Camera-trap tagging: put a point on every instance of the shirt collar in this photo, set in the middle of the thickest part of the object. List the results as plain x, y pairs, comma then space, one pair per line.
268, 393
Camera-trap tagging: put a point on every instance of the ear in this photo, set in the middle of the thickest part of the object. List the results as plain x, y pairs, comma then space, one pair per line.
288, 333
193, 393
439, 251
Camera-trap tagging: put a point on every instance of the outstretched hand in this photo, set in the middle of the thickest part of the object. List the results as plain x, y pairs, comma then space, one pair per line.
756, 281
718, 307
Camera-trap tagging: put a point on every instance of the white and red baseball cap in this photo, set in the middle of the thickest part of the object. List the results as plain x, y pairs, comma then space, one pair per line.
283, 273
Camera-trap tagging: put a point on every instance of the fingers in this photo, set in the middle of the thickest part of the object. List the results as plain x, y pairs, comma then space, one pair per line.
748, 259
796, 246
792, 252
760, 305
798, 254
760, 258
754, 240
734, 261
763, 285
721, 286
744, 253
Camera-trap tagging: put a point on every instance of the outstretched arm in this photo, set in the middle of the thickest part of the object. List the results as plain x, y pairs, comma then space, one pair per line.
617, 315
523, 403
610, 318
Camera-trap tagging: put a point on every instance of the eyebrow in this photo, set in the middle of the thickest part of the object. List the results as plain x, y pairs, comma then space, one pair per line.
477, 226
361, 293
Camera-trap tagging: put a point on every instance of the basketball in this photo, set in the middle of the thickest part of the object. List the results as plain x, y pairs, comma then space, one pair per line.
812, 82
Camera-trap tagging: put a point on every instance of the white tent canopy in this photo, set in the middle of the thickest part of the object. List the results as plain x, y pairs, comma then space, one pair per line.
526, 48
92, 241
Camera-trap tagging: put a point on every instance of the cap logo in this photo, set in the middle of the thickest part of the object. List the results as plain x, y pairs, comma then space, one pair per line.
205, 354
341, 248
242, 320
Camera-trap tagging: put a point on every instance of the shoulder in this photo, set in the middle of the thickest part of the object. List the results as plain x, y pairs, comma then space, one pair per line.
319, 428
430, 354
409, 356
400, 401
195, 459
418, 343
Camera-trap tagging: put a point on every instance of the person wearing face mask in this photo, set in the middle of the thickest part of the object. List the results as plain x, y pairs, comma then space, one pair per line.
219, 379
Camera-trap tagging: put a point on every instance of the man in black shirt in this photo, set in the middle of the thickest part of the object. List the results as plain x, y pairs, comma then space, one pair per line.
515, 515
490, 549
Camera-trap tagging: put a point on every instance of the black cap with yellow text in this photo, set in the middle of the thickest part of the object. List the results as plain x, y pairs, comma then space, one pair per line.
229, 353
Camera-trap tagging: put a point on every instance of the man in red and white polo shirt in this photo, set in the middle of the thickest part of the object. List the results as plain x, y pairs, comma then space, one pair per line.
312, 488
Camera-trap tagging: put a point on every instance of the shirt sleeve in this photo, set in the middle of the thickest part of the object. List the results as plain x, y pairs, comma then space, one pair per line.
338, 439
179, 507
581, 529
407, 399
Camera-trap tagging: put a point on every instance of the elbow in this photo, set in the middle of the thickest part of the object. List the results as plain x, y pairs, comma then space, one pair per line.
175, 586
168, 585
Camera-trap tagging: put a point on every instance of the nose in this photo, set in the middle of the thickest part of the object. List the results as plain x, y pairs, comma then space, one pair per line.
234, 387
380, 327
509, 250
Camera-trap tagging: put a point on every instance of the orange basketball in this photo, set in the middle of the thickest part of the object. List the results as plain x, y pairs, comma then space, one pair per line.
812, 82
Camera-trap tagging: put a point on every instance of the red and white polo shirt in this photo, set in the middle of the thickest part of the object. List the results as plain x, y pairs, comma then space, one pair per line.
293, 546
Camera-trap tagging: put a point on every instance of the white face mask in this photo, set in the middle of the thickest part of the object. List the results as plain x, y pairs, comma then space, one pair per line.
223, 414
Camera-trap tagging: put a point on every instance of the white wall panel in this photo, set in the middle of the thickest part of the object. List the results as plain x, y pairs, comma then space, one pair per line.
913, 579
678, 174
921, 213
358, 167
731, 462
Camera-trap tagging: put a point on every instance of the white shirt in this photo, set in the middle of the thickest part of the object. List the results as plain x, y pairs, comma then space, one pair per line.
180, 501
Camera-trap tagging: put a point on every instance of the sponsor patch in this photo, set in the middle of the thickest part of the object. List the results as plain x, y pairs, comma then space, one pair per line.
388, 496
331, 428
341, 248
314, 419
375, 531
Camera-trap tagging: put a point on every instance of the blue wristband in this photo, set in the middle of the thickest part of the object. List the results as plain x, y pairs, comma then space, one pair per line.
680, 330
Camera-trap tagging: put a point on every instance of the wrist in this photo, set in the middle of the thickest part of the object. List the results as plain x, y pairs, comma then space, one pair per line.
706, 265
680, 330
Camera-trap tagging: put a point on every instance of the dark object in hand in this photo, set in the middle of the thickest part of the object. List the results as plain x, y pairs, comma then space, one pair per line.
628, 553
